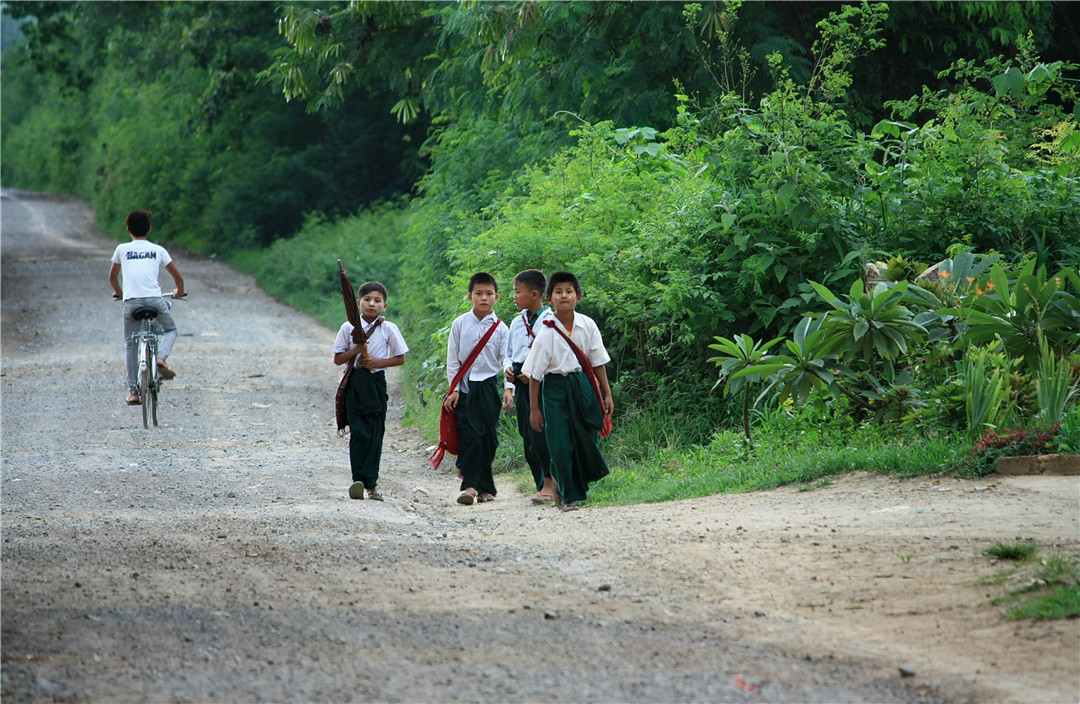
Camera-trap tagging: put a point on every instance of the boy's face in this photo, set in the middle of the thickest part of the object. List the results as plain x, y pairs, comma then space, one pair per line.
525, 297
483, 299
372, 305
564, 297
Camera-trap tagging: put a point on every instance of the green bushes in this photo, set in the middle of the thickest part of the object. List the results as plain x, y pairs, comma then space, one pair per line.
302, 271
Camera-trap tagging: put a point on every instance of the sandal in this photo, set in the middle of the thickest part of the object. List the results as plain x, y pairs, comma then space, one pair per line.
570, 506
541, 498
466, 499
133, 400
484, 498
165, 371
375, 495
356, 491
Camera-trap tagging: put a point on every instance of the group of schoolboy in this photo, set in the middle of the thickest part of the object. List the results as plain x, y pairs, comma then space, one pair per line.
539, 363
550, 362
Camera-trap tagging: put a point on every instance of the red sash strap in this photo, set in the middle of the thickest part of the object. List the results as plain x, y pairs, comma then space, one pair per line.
447, 424
586, 366
339, 398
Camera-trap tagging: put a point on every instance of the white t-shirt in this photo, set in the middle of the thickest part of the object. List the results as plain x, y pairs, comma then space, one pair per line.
551, 355
384, 342
140, 263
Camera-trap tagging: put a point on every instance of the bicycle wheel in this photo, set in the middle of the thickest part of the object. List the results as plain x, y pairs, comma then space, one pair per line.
146, 382
144, 398
153, 403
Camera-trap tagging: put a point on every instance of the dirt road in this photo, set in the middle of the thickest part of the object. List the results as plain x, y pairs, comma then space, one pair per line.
218, 558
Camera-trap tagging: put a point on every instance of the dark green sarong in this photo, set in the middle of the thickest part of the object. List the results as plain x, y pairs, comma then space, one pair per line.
572, 422
365, 407
536, 452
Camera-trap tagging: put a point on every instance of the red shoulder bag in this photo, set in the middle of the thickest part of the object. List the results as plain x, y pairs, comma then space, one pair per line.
448, 433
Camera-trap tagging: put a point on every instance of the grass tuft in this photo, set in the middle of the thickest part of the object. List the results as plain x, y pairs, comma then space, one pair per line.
1017, 552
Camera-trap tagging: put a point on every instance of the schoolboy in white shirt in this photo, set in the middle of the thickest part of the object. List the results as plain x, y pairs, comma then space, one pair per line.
476, 400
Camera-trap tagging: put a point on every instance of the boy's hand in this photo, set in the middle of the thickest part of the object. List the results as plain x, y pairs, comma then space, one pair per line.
510, 374
370, 362
508, 399
536, 420
451, 401
609, 405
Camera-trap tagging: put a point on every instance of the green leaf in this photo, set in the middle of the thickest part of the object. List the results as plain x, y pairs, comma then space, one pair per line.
1010, 83
783, 196
799, 212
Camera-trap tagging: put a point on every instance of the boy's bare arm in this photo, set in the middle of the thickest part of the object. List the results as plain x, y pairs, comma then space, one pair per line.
114, 280
343, 357
372, 363
536, 418
177, 279
605, 390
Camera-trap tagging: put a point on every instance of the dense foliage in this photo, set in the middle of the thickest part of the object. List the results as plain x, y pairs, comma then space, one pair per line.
158, 105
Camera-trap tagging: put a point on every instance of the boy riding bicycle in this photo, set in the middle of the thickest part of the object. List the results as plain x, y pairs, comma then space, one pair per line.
140, 262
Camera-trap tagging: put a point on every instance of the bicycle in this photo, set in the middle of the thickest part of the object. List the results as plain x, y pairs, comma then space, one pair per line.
149, 378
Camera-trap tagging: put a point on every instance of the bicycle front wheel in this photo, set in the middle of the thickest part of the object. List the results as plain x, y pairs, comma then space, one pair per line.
144, 397
153, 403
146, 384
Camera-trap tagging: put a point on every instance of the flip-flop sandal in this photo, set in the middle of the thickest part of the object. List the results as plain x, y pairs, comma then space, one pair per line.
466, 499
484, 498
570, 506
375, 495
356, 491
542, 498
133, 401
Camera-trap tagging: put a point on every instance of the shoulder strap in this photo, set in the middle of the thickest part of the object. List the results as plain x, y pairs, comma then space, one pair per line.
472, 357
371, 328
586, 366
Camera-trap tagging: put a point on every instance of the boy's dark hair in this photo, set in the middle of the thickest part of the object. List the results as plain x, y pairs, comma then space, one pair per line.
482, 278
138, 223
532, 278
369, 286
562, 277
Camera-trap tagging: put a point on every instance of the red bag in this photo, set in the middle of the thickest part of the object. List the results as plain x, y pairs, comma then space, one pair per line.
448, 432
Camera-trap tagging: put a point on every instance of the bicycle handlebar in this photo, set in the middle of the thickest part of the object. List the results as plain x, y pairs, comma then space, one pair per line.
168, 294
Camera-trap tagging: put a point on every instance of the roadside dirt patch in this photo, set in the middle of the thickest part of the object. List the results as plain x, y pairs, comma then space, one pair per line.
218, 558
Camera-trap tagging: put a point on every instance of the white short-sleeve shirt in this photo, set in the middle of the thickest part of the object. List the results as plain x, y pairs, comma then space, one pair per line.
140, 263
550, 354
384, 341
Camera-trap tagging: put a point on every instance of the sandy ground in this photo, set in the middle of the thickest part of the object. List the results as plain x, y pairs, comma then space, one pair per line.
218, 558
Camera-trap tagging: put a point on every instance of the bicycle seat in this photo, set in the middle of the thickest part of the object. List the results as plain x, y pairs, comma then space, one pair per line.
145, 313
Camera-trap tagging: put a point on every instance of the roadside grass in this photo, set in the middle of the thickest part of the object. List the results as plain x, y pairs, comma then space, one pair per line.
651, 459
728, 465
1040, 588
